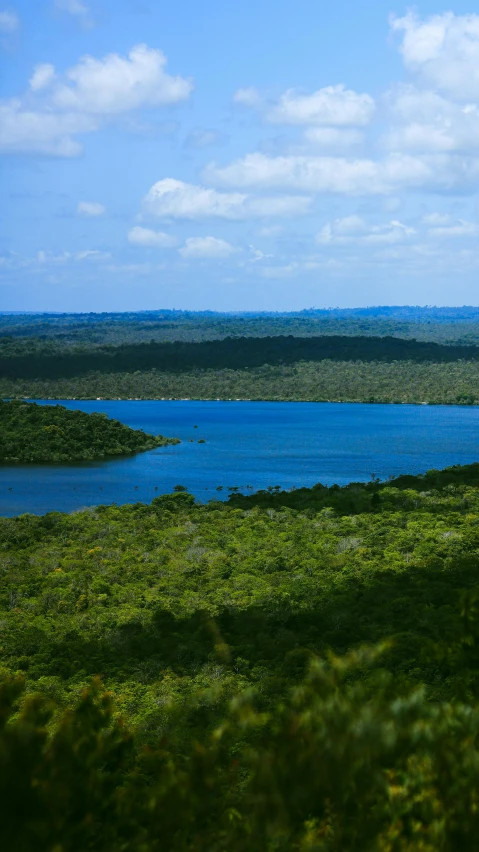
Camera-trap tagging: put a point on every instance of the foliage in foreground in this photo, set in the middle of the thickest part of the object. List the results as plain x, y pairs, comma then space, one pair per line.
333, 766
225, 635
52, 433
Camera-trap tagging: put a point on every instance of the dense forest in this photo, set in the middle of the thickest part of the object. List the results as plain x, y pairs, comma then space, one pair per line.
230, 353
454, 382
344, 369
287, 671
52, 433
440, 325
401, 354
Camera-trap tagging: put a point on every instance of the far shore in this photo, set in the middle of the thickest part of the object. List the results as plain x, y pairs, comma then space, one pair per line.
239, 399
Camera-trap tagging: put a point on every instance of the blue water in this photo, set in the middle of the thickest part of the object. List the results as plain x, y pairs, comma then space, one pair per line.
252, 444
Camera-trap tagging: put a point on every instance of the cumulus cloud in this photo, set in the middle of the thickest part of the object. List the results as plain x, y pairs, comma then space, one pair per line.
316, 174
333, 106
88, 95
42, 76
90, 209
26, 130
333, 138
426, 121
9, 21
117, 84
155, 239
170, 198
348, 176
443, 49
206, 247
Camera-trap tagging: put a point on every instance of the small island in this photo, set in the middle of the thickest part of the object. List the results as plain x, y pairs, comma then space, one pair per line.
32, 433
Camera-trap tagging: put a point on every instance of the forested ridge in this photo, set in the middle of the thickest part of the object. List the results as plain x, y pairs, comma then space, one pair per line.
230, 639
230, 353
52, 433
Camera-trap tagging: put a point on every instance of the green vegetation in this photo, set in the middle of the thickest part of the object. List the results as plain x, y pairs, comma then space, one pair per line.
214, 629
51, 433
440, 325
230, 353
397, 354
455, 382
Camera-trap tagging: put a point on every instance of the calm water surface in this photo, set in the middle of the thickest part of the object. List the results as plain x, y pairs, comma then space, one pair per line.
249, 444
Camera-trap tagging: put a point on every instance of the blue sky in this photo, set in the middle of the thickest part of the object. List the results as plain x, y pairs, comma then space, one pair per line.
248, 156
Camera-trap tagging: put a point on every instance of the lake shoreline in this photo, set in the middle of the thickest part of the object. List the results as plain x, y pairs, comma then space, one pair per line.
241, 399
248, 446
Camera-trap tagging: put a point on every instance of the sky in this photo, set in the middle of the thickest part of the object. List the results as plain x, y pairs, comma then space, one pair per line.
238, 156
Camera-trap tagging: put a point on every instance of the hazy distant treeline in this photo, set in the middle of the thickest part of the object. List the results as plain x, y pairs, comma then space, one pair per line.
440, 325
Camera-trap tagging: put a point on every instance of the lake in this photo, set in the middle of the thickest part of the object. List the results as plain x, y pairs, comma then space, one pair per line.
253, 444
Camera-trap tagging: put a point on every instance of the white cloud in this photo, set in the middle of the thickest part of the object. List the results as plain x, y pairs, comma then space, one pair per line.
333, 106
146, 237
426, 121
24, 130
9, 21
271, 231
48, 258
461, 228
134, 268
295, 268
353, 229
257, 255
347, 176
116, 84
444, 50
42, 76
333, 138
206, 247
92, 254
90, 209
316, 174
87, 96
350, 225
200, 137
436, 219
170, 198
249, 97
73, 7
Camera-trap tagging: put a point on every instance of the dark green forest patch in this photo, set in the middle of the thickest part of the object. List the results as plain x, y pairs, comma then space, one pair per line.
52, 433
230, 353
